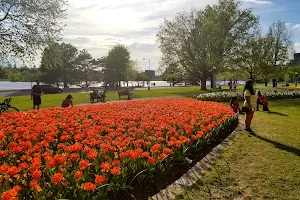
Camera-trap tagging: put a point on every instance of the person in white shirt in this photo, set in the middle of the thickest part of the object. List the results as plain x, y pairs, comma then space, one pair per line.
249, 104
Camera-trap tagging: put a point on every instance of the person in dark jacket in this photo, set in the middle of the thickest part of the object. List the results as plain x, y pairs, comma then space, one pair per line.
36, 95
67, 102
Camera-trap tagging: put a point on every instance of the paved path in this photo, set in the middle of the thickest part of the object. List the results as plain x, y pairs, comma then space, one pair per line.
137, 99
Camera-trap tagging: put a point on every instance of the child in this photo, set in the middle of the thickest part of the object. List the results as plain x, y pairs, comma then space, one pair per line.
67, 102
262, 100
234, 104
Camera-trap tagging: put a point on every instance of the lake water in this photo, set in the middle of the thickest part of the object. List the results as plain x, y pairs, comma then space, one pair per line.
6, 85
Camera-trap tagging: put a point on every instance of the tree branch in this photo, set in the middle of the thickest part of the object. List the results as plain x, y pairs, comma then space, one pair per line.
7, 13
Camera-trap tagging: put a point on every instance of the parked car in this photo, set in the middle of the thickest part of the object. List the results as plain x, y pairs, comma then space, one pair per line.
51, 89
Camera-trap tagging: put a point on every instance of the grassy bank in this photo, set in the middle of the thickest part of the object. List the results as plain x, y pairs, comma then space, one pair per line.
266, 166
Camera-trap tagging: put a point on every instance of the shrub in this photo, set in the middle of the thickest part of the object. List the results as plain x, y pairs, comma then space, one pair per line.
271, 94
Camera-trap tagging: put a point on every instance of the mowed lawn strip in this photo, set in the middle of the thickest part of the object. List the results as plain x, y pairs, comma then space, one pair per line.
266, 166
53, 100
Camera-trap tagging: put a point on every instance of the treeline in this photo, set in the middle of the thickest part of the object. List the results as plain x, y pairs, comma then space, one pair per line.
64, 63
223, 38
19, 74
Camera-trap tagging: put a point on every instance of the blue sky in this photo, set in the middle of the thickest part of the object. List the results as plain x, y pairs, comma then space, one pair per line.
99, 25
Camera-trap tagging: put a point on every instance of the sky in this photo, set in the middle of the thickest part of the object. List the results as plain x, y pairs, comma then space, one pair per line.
98, 25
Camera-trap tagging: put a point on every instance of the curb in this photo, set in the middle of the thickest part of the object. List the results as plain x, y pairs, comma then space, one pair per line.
196, 172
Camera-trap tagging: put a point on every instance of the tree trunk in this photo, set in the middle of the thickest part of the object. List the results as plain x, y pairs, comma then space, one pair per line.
127, 83
203, 83
274, 82
65, 78
212, 81
65, 84
251, 76
266, 82
173, 83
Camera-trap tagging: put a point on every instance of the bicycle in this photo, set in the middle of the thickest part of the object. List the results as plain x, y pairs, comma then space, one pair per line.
6, 107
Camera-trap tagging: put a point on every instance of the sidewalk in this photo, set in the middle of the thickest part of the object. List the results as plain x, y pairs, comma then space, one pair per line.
137, 99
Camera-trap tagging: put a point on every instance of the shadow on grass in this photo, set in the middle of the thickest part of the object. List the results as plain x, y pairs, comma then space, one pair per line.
276, 113
280, 146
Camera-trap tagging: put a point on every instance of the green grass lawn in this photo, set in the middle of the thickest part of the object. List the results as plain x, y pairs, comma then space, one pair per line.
266, 166
52, 100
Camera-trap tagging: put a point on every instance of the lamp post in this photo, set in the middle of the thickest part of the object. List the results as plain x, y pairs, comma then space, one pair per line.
296, 79
214, 78
149, 72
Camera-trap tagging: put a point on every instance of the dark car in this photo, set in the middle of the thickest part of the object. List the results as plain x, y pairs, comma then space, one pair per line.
51, 89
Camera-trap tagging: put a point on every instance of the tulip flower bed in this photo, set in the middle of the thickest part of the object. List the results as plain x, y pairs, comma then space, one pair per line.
271, 94
104, 151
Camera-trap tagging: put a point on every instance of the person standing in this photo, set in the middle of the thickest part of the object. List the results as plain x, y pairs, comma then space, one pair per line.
234, 84
36, 95
230, 85
249, 104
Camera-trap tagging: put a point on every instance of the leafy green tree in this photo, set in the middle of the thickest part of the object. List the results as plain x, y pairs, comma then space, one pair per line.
201, 41
290, 74
278, 44
86, 64
52, 63
253, 56
117, 64
59, 63
173, 74
141, 76
26, 25
69, 55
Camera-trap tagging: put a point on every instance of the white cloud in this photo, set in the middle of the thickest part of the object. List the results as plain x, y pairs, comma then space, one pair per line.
296, 26
297, 47
257, 1
288, 24
98, 25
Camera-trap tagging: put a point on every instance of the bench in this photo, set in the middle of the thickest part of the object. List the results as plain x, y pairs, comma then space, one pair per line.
125, 92
100, 96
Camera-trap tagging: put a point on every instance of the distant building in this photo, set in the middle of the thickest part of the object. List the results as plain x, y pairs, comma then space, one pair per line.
296, 60
150, 74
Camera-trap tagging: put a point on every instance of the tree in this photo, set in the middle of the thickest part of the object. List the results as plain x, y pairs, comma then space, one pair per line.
173, 74
278, 44
203, 40
52, 63
132, 71
141, 76
86, 64
253, 55
27, 25
117, 65
58, 63
69, 55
